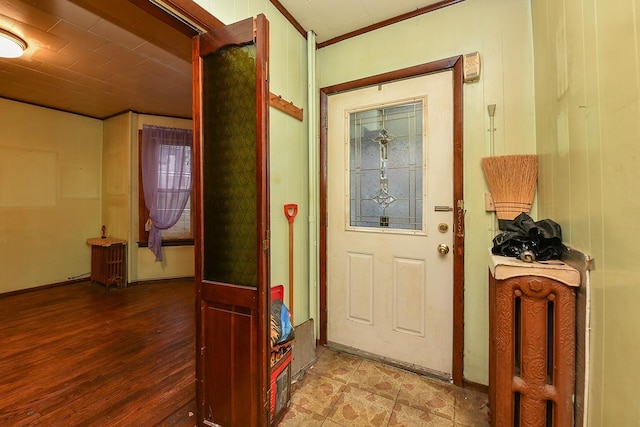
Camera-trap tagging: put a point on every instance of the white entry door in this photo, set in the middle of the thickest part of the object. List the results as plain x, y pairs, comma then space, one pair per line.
390, 222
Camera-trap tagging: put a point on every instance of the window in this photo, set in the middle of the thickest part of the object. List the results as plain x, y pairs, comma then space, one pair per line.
386, 168
166, 171
182, 232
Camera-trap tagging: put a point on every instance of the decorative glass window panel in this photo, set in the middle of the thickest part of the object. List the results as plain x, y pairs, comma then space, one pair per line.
230, 187
386, 167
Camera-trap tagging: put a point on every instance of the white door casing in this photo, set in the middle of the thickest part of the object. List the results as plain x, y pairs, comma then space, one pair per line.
389, 290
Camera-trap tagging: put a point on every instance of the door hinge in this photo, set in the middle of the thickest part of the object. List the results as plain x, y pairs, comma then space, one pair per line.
202, 349
267, 241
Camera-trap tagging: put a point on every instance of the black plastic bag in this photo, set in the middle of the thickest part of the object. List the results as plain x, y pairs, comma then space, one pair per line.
528, 240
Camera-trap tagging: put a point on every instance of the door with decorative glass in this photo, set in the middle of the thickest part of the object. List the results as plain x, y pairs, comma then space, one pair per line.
390, 212
232, 238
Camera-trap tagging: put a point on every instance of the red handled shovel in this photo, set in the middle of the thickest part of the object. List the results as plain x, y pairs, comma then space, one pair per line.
290, 211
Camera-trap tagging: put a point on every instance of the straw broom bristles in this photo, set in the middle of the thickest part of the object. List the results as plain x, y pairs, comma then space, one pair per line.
512, 181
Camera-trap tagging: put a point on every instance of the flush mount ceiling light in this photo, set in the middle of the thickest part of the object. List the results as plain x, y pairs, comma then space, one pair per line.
11, 46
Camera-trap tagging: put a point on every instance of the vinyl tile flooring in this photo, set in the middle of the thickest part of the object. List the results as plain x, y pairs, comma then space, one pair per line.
341, 390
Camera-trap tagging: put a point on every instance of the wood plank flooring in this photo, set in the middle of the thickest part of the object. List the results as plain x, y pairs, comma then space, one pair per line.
80, 355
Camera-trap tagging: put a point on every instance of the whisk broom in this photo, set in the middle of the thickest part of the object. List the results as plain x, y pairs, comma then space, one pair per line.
512, 181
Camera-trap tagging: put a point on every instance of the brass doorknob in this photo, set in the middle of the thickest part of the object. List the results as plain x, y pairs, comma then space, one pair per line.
443, 249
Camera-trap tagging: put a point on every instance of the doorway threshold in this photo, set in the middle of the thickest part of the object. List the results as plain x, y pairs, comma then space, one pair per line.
420, 370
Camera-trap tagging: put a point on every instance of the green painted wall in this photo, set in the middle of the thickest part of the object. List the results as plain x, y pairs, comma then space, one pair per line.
584, 125
500, 30
289, 143
587, 75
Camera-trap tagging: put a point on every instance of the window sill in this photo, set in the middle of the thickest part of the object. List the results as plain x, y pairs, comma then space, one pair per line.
169, 242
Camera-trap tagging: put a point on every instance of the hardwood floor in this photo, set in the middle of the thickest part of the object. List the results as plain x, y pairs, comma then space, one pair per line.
80, 355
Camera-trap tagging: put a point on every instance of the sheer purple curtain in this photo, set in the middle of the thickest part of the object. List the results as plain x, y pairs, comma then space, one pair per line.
166, 178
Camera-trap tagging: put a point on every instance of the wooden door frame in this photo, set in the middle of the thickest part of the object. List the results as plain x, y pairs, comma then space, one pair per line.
205, 22
232, 299
187, 9
454, 64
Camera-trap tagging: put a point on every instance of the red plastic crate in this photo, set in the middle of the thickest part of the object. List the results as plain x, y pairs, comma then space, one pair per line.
280, 387
277, 292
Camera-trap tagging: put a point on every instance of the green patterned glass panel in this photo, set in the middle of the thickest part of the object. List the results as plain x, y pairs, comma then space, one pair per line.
230, 236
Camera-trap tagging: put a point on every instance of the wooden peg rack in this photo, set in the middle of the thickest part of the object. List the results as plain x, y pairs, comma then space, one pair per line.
277, 102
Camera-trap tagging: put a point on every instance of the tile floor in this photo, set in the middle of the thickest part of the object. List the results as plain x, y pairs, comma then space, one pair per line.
341, 390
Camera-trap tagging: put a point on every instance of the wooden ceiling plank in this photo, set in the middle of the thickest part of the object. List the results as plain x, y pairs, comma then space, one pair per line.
72, 13
53, 58
72, 33
23, 12
122, 37
81, 61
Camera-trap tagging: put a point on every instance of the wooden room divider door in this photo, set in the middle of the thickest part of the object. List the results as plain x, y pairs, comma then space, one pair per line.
232, 225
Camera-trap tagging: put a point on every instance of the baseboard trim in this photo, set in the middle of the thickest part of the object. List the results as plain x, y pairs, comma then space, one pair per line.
152, 281
85, 279
475, 386
42, 287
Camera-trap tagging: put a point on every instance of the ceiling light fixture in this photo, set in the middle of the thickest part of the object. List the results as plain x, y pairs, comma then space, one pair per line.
11, 46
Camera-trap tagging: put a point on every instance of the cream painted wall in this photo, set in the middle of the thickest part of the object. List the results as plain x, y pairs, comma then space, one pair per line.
289, 143
177, 261
120, 198
501, 31
116, 177
587, 73
60, 182
50, 194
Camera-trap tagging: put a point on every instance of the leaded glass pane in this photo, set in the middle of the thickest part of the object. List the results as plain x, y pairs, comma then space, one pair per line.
230, 214
386, 167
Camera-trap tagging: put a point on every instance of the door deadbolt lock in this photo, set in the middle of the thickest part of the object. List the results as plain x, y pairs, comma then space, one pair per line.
443, 249
443, 227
